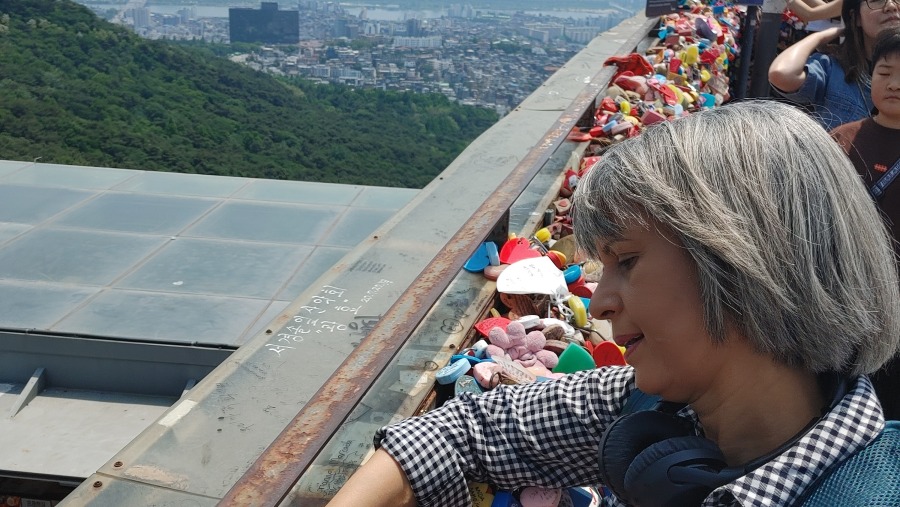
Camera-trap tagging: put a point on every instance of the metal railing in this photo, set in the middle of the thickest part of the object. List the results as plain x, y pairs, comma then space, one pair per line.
279, 467
237, 438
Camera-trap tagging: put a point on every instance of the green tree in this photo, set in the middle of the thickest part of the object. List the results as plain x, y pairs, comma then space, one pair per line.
79, 90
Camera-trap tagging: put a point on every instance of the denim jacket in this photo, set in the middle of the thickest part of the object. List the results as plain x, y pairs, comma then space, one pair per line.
834, 101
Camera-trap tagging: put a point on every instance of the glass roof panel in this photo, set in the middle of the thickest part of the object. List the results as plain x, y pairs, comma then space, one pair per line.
72, 256
151, 214
200, 266
267, 317
200, 185
317, 263
166, 317
38, 306
68, 176
31, 205
280, 223
9, 231
91, 232
384, 197
355, 226
302, 192
8, 166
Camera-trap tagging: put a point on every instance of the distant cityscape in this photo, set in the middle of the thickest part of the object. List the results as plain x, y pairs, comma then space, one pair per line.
479, 57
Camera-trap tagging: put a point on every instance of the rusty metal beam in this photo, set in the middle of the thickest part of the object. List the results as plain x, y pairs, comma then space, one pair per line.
272, 476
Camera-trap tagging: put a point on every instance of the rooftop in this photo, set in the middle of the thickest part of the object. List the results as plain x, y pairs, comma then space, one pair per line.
119, 289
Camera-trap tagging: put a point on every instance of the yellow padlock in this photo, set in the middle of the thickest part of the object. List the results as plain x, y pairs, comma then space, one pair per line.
679, 95
691, 55
542, 235
579, 312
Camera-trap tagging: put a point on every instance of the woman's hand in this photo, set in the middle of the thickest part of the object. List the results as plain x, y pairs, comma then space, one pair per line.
830, 34
809, 10
788, 70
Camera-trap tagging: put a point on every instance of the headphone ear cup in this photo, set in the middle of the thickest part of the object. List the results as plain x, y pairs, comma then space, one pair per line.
628, 436
649, 483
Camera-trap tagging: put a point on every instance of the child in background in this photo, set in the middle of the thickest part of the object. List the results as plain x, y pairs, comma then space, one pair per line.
835, 82
873, 144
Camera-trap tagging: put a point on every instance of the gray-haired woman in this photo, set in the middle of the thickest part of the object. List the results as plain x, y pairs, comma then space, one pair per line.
747, 273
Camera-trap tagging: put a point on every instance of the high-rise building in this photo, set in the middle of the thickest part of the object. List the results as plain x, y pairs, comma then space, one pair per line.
267, 25
414, 27
141, 17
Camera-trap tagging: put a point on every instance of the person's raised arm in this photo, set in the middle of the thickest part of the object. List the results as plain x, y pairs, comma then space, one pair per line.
380, 482
814, 10
788, 71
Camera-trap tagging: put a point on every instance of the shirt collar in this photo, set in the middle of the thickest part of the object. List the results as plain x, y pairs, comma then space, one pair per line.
851, 425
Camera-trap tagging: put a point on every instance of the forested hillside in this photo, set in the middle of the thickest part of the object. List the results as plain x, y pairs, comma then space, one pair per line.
75, 89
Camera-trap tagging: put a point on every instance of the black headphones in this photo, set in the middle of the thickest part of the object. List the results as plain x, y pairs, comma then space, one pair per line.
653, 458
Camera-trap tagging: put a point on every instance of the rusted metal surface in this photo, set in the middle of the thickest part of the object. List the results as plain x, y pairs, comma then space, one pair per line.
277, 469
269, 480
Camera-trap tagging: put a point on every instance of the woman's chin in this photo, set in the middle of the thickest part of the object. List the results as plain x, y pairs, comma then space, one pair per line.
645, 384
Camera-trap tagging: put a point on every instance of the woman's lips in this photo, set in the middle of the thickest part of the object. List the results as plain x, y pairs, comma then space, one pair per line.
632, 345
630, 342
622, 340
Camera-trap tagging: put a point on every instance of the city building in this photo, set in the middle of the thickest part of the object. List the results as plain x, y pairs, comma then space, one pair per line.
268, 25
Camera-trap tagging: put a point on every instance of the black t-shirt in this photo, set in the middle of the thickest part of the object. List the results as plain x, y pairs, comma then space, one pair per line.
874, 149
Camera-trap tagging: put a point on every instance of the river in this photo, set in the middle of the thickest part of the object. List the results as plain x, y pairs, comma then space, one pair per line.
375, 13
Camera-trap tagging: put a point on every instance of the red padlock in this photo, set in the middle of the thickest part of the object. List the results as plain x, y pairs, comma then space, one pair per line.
608, 104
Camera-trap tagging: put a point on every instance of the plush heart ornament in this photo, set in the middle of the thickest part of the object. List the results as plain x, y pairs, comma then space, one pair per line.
532, 276
517, 249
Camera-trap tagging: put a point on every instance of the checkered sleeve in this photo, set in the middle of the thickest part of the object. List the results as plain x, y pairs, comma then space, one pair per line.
545, 434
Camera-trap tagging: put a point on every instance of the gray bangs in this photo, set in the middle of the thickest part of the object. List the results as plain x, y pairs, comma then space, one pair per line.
611, 194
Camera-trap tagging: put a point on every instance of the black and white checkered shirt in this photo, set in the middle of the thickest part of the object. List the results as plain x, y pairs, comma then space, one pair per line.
547, 434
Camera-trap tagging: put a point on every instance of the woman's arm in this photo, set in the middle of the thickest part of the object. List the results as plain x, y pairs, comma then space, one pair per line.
787, 72
380, 482
813, 10
545, 433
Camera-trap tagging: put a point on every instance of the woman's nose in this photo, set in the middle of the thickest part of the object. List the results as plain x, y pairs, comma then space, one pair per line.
605, 302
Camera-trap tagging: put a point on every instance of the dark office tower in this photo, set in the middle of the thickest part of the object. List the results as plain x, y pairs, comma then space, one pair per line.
414, 28
267, 25
341, 28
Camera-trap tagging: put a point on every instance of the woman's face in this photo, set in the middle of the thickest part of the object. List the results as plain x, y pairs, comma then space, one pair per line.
649, 291
872, 21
